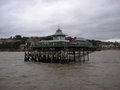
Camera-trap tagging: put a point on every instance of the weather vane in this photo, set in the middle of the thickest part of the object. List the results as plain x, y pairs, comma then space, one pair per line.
58, 26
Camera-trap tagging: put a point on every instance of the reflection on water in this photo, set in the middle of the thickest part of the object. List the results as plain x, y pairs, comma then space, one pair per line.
100, 73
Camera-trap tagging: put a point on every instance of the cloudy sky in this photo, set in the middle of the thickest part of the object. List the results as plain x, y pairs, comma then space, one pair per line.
91, 19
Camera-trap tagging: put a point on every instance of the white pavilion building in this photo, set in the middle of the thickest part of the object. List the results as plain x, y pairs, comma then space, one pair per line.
59, 36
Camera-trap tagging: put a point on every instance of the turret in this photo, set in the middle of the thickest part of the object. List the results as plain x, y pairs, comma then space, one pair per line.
59, 35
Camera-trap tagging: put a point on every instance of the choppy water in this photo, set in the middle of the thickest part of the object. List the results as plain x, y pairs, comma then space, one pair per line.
102, 72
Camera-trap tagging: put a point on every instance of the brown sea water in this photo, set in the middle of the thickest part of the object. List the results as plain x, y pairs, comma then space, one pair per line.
102, 72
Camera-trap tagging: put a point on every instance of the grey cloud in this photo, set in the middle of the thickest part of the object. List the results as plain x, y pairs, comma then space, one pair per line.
82, 18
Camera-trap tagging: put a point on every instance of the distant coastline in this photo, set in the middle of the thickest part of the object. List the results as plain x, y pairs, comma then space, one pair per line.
18, 50
11, 50
18, 42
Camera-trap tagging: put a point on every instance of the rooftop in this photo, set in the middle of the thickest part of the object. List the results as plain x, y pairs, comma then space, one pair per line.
59, 33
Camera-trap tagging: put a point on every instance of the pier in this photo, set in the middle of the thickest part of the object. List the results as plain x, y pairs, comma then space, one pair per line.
59, 55
59, 50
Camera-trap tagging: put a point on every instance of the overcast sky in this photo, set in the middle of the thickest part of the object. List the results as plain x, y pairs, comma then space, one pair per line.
91, 19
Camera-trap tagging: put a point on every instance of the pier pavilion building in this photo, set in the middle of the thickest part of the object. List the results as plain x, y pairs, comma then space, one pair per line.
59, 50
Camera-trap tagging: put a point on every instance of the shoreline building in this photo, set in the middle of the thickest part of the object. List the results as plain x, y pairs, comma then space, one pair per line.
59, 50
